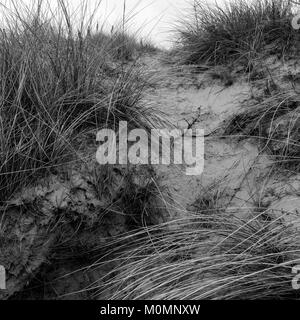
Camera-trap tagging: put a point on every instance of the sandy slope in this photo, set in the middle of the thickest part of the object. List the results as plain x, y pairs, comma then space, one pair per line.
232, 168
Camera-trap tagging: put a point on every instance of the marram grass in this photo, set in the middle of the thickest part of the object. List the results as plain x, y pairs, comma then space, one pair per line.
203, 257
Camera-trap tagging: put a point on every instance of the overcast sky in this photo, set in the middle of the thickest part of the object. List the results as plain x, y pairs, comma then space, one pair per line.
154, 17
151, 17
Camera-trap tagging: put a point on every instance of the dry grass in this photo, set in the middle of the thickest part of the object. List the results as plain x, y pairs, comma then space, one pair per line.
60, 76
274, 121
240, 32
62, 79
203, 257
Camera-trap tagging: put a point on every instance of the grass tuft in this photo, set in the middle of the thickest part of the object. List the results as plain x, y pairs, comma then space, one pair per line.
240, 31
274, 121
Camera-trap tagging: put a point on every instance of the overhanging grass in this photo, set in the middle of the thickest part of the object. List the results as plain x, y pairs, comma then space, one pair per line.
204, 257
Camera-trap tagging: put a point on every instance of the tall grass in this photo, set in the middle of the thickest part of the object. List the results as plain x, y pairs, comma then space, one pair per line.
59, 76
204, 257
274, 121
239, 31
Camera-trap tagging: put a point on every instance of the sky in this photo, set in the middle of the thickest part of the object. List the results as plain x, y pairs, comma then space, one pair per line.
153, 18
149, 18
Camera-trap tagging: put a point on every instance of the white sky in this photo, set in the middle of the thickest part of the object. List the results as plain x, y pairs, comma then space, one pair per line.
154, 18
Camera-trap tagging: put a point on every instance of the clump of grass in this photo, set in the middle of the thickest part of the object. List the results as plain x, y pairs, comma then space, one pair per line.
122, 45
141, 201
57, 81
274, 121
134, 193
240, 31
147, 46
204, 257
